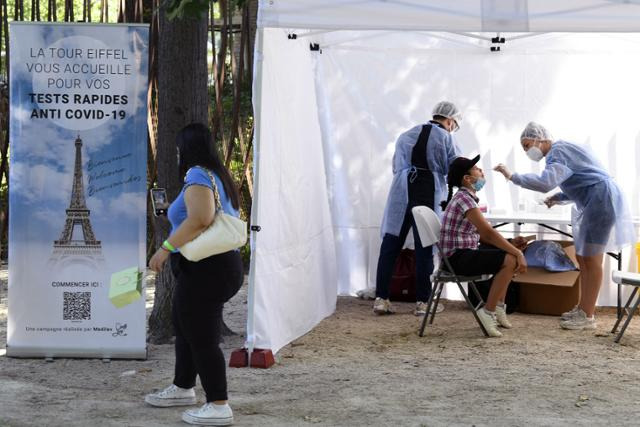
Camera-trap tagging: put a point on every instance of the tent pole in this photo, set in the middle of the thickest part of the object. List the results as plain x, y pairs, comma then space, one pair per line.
257, 106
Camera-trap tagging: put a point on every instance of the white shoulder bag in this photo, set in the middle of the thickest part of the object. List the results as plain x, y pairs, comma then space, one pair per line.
225, 233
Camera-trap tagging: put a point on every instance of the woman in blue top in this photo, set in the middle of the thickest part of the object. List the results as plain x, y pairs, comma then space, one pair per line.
203, 286
600, 219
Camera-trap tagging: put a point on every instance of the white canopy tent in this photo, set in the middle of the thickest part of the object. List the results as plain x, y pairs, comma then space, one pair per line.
337, 81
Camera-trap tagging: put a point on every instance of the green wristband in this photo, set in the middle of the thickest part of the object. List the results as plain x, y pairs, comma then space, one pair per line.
168, 246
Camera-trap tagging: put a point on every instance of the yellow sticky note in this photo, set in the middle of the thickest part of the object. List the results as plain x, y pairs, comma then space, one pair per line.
126, 287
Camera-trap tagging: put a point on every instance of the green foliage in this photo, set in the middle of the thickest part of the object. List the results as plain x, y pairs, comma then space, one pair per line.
77, 10
189, 9
196, 9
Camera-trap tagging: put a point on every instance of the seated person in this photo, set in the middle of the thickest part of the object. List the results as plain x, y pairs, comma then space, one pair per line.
464, 228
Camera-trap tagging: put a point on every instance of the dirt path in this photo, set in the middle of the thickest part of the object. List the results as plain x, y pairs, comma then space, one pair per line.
356, 369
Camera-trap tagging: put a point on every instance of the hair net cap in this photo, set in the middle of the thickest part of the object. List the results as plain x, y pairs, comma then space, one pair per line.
537, 132
449, 110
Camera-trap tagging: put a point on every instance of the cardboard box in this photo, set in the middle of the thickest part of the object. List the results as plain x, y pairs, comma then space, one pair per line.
544, 292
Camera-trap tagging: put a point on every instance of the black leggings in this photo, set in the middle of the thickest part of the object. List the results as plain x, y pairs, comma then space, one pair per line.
203, 288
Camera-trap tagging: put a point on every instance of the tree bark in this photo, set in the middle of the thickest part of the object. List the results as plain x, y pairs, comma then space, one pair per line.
35, 10
182, 99
3, 19
220, 70
52, 13
130, 11
68, 11
19, 11
253, 26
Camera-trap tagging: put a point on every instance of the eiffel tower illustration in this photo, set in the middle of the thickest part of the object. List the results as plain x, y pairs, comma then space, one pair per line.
69, 249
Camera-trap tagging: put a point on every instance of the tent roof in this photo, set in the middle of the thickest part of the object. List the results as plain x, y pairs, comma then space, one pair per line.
458, 15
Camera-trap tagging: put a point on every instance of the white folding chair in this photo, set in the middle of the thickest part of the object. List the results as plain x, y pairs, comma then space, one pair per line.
628, 279
429, 225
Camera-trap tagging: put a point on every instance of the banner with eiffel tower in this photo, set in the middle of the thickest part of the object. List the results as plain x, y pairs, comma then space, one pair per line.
77, 214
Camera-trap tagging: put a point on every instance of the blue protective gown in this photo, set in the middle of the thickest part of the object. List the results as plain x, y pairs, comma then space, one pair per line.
441, 151
601, 220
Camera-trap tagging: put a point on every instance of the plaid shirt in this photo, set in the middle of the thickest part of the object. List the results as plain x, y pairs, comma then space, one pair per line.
457, 232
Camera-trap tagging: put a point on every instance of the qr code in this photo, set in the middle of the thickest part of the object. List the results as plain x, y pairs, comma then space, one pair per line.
76, 306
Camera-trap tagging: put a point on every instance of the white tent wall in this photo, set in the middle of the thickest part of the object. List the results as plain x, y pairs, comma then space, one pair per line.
293, 261
569, 82
326, 123
458, 15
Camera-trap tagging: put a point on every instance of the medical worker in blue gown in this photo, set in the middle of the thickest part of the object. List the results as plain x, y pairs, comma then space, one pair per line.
420, 165
600, 218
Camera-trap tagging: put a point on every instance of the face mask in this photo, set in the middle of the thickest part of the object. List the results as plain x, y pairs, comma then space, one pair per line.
535, 154
479, 184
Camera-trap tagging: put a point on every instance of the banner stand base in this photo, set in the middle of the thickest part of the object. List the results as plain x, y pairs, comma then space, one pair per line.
239, 358
260, 358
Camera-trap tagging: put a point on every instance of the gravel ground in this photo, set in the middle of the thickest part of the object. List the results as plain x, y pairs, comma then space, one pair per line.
358, 369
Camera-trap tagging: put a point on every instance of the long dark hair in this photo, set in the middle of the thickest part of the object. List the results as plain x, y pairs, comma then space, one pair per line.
444, 203
453, 180
196, 147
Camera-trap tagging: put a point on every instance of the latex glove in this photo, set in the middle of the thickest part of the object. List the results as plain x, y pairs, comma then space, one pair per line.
549, 201
503, 170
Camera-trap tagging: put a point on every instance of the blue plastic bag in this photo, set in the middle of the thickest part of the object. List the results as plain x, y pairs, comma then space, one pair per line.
548, 255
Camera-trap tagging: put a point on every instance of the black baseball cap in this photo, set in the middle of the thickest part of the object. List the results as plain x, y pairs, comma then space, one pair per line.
459, 168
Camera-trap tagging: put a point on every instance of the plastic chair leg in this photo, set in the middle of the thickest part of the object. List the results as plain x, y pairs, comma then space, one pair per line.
629, 316
624, 310
473, 309
434, 307
429, 305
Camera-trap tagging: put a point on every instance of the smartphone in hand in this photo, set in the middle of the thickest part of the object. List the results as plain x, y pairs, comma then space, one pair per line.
159, 201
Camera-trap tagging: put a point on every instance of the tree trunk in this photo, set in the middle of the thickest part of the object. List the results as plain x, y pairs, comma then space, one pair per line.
19, 11
35, 10
3, 19
68, 11
52, 13
152, 115
182, 99
253, 26
130, 11
220, 70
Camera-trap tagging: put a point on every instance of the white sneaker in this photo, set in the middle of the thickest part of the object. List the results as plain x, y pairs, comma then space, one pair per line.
489, 322
382, 306
579, 322
570, 314
172, 396
209, 414
369, 293
501, 316
421, 308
